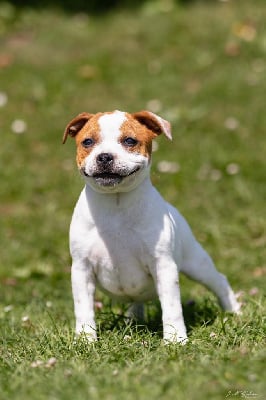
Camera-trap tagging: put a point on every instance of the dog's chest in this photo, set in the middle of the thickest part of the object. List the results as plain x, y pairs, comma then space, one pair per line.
119, 256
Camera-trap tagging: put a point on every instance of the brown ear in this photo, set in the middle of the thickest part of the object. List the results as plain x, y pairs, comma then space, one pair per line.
76, 124
153, 122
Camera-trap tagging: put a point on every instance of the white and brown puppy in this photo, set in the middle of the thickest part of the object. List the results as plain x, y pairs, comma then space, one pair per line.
124, 237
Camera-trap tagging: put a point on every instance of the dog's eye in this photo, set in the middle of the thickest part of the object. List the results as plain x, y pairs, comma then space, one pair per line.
130, 141
88, 142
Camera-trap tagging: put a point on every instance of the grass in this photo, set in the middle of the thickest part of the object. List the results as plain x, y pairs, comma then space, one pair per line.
201, 66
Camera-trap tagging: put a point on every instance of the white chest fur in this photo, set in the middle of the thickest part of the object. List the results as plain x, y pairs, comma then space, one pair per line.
119, 241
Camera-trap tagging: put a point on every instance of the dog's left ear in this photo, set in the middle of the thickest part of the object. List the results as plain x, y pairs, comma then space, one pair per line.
75, 125
154, 123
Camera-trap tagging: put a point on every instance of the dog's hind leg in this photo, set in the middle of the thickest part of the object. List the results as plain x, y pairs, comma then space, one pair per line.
199, 266
136, 312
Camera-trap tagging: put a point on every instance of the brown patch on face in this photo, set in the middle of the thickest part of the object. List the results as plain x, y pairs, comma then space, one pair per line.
90, 130
131, 128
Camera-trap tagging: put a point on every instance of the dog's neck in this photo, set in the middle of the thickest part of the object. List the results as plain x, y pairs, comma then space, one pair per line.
119, 200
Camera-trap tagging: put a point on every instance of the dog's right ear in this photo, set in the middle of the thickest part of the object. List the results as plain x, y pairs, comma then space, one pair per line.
76, 124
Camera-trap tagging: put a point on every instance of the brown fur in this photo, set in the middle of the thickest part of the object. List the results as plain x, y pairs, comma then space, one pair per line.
89, 130
132, 128
142, 126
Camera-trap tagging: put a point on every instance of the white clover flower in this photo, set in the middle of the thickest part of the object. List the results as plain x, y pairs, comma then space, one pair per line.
231, 123
154, 105
215, 175
51, 362
18, 126
8, 308
36, 364
3, 99
168, 166
232, 169
155, 146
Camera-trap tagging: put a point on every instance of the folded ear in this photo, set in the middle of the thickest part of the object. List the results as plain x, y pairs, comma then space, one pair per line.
154, 123
76, 124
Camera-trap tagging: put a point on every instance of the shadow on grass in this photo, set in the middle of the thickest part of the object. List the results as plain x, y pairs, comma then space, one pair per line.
92, 6
199, 314
195, 314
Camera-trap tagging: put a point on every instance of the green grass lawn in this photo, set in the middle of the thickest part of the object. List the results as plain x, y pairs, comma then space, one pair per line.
202, 66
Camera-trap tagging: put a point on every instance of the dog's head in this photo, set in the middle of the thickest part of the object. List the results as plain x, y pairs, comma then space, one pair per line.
114, 148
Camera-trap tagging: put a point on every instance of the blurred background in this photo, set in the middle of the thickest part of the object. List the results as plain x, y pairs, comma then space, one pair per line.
199, 64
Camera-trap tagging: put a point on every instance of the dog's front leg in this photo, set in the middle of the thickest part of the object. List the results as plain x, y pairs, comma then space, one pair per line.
83, 288
167, 284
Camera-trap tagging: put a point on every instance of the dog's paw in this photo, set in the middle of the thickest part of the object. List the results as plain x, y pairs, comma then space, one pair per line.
88, 335
175, 337
238, 308
238, 303
84, 340
231, 303
235, 305
176, 340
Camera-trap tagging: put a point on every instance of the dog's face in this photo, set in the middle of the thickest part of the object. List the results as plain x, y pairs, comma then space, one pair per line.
114, 149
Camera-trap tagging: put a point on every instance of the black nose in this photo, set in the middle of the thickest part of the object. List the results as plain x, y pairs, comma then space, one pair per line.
105, 158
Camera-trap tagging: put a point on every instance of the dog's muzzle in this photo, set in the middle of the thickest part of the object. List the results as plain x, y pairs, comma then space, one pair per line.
106, 173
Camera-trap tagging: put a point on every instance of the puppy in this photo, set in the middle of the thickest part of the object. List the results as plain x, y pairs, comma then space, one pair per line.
124, 237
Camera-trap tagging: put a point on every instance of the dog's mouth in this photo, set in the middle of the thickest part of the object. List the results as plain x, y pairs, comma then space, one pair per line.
109, 178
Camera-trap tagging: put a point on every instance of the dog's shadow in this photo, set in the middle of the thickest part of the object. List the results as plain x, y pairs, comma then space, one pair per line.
201, 313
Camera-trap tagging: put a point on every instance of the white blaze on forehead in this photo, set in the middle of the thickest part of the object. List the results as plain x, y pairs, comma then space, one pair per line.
110, 125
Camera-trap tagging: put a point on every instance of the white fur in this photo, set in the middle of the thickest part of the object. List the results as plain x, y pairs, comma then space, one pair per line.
110, 125
132, 244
